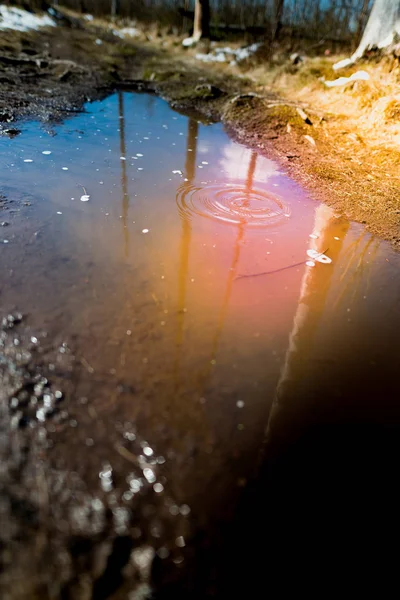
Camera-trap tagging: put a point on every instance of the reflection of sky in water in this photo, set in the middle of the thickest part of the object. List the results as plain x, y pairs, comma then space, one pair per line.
235, 164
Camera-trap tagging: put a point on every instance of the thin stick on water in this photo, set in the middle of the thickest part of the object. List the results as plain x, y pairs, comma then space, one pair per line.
84, 189
303, 262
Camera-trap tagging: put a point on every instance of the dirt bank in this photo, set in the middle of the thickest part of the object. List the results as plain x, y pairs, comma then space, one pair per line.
49, 74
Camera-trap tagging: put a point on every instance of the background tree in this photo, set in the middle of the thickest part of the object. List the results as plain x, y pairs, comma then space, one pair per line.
382, 26
201, 27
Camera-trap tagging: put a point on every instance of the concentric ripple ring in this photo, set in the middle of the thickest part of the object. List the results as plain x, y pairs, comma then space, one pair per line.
235, 204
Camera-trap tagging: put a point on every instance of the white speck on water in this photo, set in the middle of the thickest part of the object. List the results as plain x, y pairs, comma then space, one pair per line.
72, 198
59, 212
46, 152
122, 158
5, 241
138, 154
65, 168
336, 238
240, 404
158, 488
314, 236
310, 263
204, 162
28, 160
101, 182
177, 172
140, 169
149, 474
85, 198
145, 231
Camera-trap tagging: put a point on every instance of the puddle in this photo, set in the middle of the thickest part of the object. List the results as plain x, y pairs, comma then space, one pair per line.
191, 277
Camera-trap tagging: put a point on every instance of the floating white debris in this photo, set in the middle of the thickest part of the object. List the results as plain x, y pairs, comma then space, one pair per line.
336, 238
204, 162
314, 236
177, 172
138, 154
22, 20
59, 212
46, 152
85, 198
319, 256
310, 263
28, 160
65, 168
358, 76
145, 231
122, 158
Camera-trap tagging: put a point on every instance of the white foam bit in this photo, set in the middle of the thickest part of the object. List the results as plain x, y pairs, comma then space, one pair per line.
313, 236
85, 198
65, 168
22, 20
28, 160
310, 263
46, 152
145, 231
177, 172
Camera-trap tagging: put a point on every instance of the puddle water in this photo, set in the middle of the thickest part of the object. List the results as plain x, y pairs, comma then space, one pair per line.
176, 261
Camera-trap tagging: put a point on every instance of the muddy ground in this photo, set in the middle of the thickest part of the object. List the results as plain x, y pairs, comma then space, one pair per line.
51, 508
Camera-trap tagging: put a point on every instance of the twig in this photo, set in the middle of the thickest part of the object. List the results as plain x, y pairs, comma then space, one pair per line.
303, 262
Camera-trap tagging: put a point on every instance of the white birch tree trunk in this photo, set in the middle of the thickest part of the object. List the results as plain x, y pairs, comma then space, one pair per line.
382, 26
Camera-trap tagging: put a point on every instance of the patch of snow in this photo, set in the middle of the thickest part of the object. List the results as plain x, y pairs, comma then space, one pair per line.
220, 57
188, 42
22, 20
358, 76
234, 55
346, 62
126, 32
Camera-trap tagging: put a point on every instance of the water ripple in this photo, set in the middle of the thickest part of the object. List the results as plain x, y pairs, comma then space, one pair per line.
235, 204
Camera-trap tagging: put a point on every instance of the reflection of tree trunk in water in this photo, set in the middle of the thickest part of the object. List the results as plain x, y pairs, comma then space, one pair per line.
250, 172
234, 266
190, 172
124, 179
314, 290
